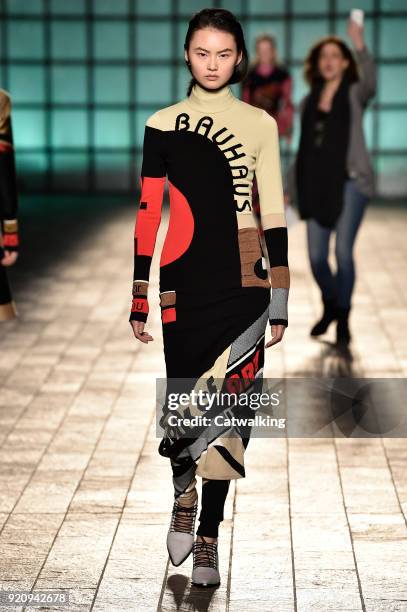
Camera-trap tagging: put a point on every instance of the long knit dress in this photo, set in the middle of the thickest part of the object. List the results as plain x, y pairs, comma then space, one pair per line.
8, 204
216, 295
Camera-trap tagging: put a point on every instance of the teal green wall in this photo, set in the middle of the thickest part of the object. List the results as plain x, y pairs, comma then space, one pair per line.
85, 74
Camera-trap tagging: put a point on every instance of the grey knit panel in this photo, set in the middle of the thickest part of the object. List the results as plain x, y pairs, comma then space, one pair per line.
248, 338
278, 304
182, 480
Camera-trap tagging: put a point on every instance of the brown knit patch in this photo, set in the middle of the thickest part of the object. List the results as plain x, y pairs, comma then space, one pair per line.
10, 226
280, 277
140, 288
167, 298
250, 252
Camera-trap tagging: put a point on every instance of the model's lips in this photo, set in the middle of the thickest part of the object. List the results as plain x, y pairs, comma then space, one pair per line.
211, 76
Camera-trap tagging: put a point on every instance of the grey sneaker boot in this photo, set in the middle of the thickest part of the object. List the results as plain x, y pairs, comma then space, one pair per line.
180, 537
206, 561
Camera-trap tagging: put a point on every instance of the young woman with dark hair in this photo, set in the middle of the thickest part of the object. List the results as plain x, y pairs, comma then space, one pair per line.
332, 178
214, 282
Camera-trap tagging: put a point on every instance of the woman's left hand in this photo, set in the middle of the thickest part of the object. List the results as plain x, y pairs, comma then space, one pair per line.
355, 33
277, 333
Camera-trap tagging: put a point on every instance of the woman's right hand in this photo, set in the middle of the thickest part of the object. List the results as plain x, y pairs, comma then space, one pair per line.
355, 33
139, 333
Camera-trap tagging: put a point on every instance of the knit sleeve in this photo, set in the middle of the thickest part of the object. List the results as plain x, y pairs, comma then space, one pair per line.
8, 179
272, 213
152, 182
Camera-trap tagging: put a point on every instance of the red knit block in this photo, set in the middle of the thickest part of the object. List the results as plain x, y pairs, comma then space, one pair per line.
139, 305
10, 240
168, 315
5, 146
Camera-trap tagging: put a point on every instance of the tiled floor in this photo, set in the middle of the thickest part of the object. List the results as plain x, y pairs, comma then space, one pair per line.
85, 498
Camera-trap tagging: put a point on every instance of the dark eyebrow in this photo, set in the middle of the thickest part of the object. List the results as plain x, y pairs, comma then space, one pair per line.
202, 49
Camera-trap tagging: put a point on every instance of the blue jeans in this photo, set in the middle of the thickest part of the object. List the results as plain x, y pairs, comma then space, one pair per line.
339, 286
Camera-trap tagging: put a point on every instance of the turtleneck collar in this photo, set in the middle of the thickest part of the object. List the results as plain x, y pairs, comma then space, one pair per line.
210, 101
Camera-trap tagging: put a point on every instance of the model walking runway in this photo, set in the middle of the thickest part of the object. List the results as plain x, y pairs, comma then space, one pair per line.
214, 285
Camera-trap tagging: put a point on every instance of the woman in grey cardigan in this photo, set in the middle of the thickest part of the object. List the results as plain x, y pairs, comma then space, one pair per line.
331, 179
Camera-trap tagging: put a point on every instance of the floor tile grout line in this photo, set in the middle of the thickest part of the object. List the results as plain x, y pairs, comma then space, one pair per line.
60, 424
377, 310
290, 521
290, 518
388, 463
335, 449
52, 369
134, 474
84, 471
231, 550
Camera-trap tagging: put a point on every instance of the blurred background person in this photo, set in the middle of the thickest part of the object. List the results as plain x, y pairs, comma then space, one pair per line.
268, 85
332, 178
8, 207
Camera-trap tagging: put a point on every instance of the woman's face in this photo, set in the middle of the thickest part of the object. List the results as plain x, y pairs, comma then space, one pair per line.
331, 63
213, 55
266, 52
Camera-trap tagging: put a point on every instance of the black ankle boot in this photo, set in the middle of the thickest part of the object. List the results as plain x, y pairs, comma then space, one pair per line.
343, 335
329, 315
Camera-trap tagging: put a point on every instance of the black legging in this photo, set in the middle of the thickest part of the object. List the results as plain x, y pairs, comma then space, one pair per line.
214, 493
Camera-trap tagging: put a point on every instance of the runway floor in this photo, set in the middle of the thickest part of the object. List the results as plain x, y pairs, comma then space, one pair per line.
85, 498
